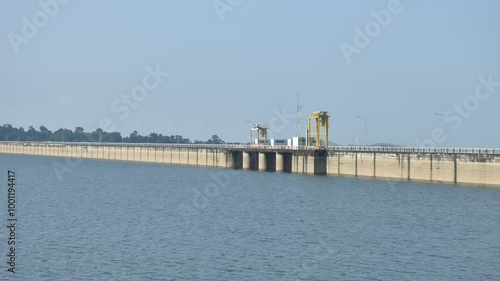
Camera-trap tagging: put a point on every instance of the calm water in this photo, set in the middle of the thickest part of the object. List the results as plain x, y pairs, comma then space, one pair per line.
132, 221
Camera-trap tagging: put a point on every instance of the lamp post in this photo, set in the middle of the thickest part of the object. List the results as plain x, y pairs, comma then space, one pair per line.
445, 128
120, 132
213, 131
363, 118
149, 131
100, 132
178, 132
212, 125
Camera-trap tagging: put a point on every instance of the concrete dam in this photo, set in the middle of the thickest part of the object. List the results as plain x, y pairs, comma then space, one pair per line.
440, 165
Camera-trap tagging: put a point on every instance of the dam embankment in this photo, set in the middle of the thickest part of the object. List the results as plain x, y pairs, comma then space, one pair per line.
453, 166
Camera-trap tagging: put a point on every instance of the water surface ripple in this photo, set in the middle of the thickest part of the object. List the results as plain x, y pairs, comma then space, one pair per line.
121, 221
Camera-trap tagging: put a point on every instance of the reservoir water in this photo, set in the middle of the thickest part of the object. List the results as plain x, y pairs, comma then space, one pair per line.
104, 220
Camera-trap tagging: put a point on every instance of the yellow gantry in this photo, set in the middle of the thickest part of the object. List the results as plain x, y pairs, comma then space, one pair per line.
318, 137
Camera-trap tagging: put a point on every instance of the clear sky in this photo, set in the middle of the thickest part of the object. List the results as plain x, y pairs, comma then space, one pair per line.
248, 60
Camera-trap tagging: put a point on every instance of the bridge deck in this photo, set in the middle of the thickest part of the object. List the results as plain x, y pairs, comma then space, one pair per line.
239, 147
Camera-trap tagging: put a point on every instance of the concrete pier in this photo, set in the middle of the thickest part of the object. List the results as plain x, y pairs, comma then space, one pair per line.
246, 160
454, 166
262, 162
280, 162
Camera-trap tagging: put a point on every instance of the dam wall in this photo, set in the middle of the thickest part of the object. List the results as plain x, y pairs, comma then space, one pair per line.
210, 157
452, 166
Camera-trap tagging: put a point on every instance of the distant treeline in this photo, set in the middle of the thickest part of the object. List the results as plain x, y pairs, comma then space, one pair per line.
10, 133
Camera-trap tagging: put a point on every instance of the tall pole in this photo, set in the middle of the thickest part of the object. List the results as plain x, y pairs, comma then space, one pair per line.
149, 131
212, 125
298, 125
445, 127
178, 132
120, 132
365, 128
100, 132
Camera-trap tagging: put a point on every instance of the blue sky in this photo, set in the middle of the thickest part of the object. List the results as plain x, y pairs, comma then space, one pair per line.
250, 63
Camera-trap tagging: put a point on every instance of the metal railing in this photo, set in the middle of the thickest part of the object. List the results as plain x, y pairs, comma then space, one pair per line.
358, 149
494, 151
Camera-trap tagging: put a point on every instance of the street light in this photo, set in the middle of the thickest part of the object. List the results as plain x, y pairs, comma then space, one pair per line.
445, 127
212, 125
213, 131
149, 131
120, 132
100, 132
178, 132
365, 128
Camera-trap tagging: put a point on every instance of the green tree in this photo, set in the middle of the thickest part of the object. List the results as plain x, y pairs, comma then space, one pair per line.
79, 131
45, 133
31, 133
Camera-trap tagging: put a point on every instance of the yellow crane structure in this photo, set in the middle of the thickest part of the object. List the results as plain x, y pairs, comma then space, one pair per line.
261, 132
318, 136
